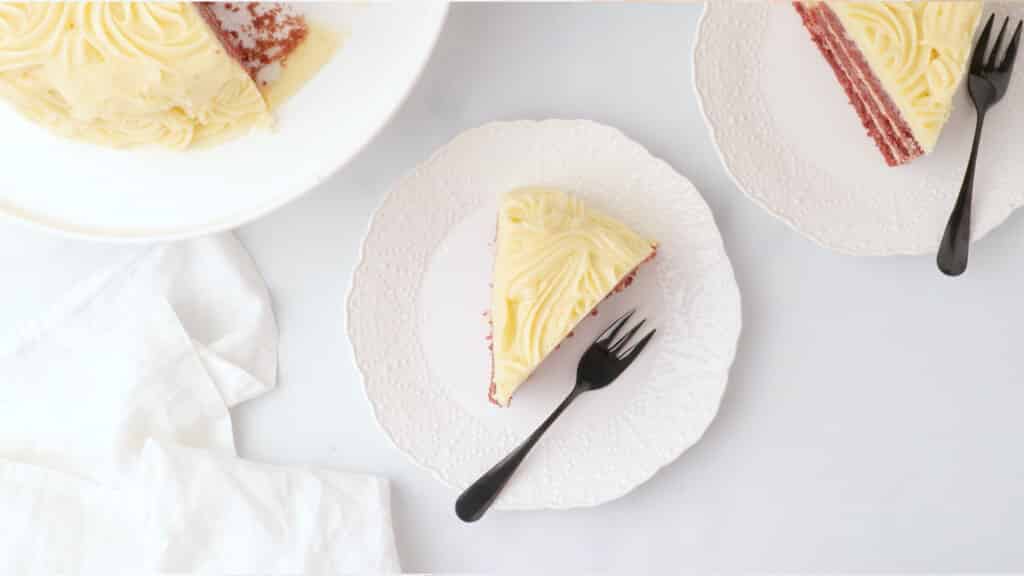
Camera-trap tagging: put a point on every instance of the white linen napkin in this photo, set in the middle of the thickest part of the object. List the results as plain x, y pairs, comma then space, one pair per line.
151, 353
56, 523
83, 396
209, 513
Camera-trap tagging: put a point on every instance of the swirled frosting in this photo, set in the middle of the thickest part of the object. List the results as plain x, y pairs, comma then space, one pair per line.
919, 51
124, 74
556, 260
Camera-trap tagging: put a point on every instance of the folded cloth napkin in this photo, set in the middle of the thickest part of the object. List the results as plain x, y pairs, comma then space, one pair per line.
151, 353
210, 513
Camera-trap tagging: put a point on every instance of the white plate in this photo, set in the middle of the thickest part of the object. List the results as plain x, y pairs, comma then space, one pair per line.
85, 190
415, 317
790, 140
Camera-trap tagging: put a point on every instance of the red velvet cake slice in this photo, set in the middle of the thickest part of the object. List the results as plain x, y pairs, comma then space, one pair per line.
900, 64
556, 260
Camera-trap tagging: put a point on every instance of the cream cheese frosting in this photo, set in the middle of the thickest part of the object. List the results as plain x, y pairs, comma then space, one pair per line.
556, 260
919, 51
124, 74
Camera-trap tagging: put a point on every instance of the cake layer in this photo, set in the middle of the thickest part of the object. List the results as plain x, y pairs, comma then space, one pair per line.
124, 74
259, 35
917, 50
274, 42
878, 113
556, 260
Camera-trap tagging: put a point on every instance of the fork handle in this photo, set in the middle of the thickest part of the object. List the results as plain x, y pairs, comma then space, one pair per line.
475, 501
956, 240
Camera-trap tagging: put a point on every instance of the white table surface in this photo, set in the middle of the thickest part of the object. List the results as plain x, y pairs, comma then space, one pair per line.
875, 414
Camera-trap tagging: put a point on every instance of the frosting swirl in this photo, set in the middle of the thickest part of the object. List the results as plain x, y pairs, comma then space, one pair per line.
556, 260
919, 50
124, 74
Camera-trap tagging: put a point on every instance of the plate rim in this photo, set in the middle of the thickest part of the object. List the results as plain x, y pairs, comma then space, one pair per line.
72, 231
734, 343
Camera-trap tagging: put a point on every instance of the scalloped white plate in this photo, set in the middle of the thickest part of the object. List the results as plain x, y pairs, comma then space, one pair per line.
792, 143
415, 317
88, 191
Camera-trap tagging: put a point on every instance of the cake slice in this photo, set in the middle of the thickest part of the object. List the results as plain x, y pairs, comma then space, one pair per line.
556, 260
900, 64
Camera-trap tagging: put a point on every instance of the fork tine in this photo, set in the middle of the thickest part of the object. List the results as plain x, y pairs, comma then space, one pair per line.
635, 351
610, 332
622, 342
997, 48
978, 60
1011, 50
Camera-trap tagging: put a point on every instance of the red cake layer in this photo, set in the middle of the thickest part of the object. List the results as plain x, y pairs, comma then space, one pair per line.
878, 113
259, 35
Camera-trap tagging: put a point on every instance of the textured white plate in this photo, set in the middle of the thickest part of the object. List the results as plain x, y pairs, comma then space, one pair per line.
85, 190
415, 317
790, 140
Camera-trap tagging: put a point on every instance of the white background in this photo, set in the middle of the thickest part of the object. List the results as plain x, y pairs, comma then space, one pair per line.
875, 414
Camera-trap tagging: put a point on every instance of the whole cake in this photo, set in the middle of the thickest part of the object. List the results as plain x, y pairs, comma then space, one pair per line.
900, 64
556, 260
132, 73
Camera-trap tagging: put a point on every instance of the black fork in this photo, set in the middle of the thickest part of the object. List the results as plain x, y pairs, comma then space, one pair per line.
601, 364
987, 83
